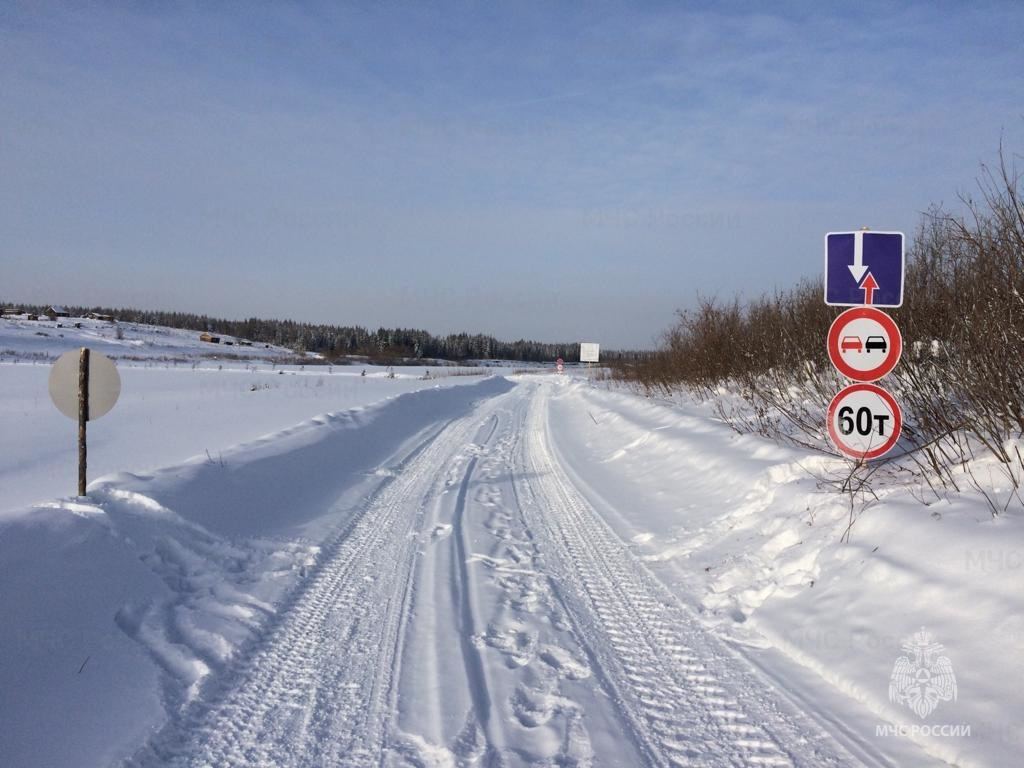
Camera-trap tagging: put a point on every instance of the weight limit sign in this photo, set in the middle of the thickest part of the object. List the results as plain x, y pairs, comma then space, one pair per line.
864, 421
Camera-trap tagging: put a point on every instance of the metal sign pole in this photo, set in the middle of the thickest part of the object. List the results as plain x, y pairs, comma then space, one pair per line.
83, 415
84, 386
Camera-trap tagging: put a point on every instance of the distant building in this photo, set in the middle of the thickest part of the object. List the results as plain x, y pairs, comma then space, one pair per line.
98, 316
209, 338
54, 312
10, 311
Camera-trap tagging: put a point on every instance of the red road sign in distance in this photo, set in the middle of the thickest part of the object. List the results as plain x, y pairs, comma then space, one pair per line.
864, 344
864, 421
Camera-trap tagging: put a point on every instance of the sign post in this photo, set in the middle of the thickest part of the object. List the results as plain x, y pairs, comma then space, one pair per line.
864, 270
84, 385
83, 416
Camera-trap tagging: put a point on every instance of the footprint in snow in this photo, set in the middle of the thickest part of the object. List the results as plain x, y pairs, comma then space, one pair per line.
441, 531
563, 662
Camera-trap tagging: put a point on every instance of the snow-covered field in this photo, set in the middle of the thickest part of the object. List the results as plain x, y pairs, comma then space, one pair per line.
42, 339
178, 400
319, 568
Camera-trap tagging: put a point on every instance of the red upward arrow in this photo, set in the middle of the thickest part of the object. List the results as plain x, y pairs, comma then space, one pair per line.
869, 286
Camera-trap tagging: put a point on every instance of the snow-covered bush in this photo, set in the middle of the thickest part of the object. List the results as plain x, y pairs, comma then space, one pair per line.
961, 381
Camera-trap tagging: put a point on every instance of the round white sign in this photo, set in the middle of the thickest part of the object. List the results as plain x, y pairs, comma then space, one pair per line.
104, 384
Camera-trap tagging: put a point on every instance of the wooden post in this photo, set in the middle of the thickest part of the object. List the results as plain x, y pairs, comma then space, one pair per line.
83, 415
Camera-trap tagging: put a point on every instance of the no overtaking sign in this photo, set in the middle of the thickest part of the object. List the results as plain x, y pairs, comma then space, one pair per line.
864, 344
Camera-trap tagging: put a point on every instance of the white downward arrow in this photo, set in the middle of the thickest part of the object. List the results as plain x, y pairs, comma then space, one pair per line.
857, 269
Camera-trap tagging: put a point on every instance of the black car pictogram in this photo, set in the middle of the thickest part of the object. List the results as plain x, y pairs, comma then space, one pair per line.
876, 342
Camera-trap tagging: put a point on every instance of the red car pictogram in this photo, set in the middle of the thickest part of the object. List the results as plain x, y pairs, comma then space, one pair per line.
851, 344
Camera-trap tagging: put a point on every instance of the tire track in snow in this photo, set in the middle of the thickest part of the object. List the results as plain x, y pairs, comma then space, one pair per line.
462, 583
315, 690
684, 695
511, 654
320, 688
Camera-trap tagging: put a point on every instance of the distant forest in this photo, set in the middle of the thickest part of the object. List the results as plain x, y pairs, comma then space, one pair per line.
333, 341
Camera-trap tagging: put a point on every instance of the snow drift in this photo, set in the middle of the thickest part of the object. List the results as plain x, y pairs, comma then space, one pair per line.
116, 607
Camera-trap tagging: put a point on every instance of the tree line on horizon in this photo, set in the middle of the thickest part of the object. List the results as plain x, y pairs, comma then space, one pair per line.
334, 341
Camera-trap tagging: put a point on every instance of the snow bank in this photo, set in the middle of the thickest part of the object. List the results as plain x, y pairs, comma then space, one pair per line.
167, 414
745, 532
118, 606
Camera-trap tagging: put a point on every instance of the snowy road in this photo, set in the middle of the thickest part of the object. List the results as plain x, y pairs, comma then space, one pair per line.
478, 611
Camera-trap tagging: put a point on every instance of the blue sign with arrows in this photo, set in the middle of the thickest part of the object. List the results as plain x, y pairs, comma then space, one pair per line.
864, 268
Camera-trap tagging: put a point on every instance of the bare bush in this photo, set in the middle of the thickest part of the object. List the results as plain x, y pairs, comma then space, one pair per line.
961, 383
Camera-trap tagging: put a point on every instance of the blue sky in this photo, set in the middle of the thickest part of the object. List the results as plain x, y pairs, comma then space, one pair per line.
558, 171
